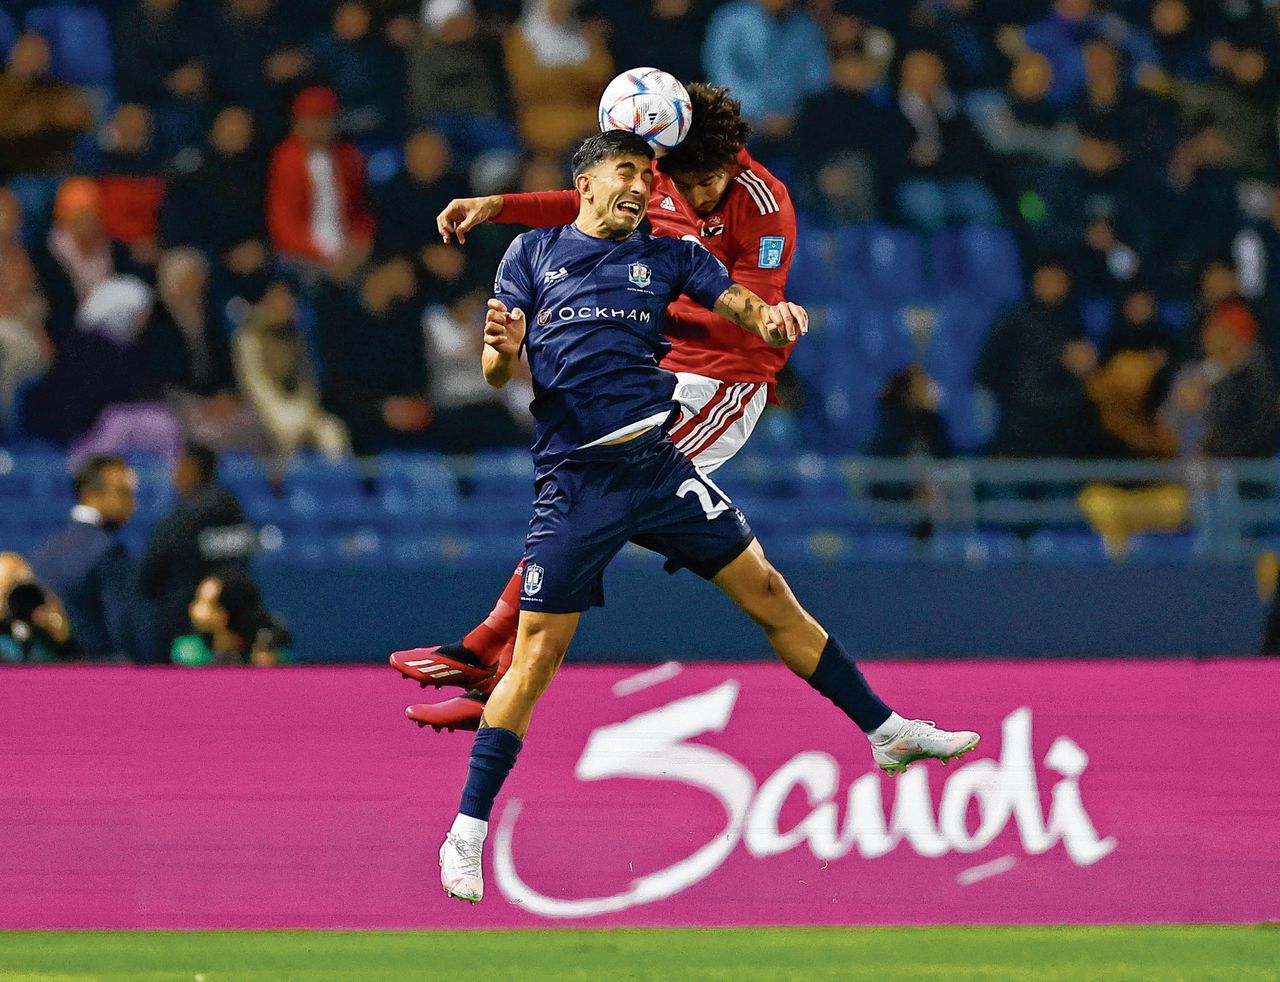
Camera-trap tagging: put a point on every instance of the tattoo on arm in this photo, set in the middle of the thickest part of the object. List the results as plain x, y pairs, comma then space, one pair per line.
743, 307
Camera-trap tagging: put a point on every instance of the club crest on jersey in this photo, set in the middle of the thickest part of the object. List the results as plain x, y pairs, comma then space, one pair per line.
639, 274
771, 251
532, 579
544, 317
713, 228
667, 204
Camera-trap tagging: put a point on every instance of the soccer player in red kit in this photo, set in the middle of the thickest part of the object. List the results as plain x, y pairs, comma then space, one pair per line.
707, 189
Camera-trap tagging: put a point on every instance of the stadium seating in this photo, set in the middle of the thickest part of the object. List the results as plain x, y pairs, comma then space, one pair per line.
1066, 546
36, 192
413, 511
79, 41
8, 34
889, 263
978, 258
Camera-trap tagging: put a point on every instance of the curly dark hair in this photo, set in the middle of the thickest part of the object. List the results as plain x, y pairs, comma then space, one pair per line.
715, 136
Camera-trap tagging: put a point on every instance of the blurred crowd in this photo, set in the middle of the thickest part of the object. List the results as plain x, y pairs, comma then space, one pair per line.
217, 216
190, 599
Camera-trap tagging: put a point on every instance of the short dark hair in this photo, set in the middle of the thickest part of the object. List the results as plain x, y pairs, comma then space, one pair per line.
205, 460
607, 145
88, 476
716, 135
239, 596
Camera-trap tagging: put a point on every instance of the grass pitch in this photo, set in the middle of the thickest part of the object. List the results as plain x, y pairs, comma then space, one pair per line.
961, 954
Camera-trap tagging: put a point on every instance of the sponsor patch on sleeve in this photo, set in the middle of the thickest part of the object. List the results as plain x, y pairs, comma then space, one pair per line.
771, 251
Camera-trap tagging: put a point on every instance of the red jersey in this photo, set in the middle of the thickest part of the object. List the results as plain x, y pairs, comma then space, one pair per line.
753, 232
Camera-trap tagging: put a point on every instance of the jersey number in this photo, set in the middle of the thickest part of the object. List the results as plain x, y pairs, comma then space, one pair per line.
710, 508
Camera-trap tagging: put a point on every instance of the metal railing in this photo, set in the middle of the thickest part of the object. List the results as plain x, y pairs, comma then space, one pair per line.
1232, 506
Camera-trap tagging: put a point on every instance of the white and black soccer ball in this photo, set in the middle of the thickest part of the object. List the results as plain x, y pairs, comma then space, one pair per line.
650, 103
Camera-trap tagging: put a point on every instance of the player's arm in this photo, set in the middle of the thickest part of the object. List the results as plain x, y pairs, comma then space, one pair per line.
703, 277
503, 338
762, 245
504, 321
777, 324
537, 209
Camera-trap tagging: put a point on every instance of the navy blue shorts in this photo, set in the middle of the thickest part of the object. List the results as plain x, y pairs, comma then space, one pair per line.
591, 504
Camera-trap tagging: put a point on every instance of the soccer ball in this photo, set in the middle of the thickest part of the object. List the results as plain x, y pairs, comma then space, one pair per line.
650, 103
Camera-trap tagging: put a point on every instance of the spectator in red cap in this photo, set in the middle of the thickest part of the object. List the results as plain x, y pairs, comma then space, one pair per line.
316, 211
1227, 404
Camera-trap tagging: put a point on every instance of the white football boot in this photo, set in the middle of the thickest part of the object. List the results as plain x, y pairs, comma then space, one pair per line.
919, 739
460, 867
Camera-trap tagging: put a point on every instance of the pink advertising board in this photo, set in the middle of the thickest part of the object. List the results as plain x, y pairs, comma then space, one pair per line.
714, 794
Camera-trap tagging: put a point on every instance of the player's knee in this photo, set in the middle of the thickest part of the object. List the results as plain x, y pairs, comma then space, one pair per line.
773, 605
539, 659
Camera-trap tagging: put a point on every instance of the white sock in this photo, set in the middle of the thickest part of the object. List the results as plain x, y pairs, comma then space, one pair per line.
470, 828
887, 730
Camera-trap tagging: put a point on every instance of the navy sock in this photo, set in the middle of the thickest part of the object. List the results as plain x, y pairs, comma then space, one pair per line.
837, 677
492, 757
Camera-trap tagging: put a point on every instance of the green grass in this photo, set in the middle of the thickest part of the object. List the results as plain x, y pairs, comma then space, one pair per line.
962, 954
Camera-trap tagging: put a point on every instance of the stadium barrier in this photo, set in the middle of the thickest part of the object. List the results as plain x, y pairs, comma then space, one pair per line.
678, 795
916, 610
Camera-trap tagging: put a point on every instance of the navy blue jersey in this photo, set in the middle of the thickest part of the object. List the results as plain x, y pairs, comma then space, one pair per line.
594, 317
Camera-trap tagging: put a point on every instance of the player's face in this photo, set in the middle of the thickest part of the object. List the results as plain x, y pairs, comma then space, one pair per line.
620, 192
704, 190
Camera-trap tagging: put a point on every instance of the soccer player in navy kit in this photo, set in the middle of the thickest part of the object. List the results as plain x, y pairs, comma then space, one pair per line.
585, 303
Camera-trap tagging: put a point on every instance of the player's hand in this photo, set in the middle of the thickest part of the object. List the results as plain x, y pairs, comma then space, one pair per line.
784, 322
461, 215
503, 329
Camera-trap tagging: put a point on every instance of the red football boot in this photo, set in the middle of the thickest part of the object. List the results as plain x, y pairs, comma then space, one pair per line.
458, 713
449, 664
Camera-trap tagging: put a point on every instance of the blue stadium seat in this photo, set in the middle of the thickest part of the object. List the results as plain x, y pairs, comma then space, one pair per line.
316, 486
361, 546
416, 483
496, 515
971, 415
776, 432
243, 474
383, 159
880, 344
1069, 546
813, 278
8, 34
1176, 547
502, 474
420, 552
264, 508
786, 549
980, 259
1095, 312
889, 546
848, 413
888, 260
1176, 313
24, 491
79, 42
36, 192
966, 317
809, 358
302, 549
975, 547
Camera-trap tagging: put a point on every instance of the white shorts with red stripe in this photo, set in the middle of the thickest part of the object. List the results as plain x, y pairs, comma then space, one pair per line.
715, 417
